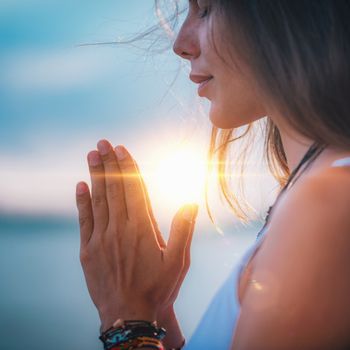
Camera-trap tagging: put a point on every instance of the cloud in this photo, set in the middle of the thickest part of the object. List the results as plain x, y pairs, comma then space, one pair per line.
56, 69
43, 182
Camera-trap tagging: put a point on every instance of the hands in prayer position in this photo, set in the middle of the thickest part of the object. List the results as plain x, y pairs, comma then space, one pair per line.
130, 271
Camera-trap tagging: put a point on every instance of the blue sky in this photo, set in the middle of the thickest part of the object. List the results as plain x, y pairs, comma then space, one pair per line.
47, 81
58, 99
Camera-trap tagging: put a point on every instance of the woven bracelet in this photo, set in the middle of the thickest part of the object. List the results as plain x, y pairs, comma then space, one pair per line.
139, 342
132, 334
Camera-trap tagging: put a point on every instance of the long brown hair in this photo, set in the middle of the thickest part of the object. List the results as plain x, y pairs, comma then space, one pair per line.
299, 54
219, 148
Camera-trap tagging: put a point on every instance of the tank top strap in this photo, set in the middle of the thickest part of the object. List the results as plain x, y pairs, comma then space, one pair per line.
252, 249
341, 162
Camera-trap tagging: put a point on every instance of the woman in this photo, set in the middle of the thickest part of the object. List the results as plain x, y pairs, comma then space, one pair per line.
287, 60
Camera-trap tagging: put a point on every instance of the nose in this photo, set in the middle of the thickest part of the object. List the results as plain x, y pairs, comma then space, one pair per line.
186, 44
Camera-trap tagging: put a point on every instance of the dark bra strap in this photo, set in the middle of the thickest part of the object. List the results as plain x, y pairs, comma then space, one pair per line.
312, 153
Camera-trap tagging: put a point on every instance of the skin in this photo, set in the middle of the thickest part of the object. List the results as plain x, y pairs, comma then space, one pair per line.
310, 284
234, 98
118, 231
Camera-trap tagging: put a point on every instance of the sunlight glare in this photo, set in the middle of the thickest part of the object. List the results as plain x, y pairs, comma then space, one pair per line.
180, 175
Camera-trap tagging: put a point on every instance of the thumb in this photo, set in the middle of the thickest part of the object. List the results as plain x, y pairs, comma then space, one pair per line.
181, 229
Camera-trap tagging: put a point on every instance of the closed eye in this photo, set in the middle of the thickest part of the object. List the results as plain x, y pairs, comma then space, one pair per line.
201, 7
204, 12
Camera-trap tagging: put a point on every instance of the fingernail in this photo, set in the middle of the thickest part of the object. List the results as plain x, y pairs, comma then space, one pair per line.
103, 147
81, 188
120, 152
190, 212
94, 158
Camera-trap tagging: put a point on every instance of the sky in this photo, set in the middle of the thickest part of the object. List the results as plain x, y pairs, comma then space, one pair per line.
58, 98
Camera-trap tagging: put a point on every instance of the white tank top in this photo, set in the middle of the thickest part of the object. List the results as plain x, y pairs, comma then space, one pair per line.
216, 327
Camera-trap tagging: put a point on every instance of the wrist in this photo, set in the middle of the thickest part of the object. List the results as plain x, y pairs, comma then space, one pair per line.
174, 337
167, 314
108, 315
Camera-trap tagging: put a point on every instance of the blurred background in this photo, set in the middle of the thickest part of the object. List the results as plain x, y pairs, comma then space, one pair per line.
58, 97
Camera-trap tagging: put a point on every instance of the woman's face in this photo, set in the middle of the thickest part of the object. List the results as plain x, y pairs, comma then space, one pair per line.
234, 99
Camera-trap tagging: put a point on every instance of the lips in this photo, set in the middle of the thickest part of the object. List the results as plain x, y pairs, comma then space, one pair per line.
202, 80
198, 79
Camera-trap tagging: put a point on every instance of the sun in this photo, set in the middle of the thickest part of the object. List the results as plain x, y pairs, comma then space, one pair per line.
181, 175
178, 176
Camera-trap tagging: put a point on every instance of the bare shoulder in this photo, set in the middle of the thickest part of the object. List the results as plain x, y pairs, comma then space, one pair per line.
316, 200
300, 280
331, 184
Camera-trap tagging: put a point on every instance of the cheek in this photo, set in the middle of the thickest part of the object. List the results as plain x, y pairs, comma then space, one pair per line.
234, 104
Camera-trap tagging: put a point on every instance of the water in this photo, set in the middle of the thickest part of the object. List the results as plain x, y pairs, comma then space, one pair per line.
44, 303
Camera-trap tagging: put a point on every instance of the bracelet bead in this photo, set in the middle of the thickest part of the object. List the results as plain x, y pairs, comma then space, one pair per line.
133, 334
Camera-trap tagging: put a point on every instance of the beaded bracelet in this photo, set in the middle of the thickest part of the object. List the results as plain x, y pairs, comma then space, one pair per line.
142, 342
139, 342
133, 334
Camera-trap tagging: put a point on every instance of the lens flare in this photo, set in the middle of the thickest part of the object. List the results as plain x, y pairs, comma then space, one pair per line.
181, 175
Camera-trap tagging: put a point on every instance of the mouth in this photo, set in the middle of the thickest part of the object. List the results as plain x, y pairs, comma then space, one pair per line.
202, 80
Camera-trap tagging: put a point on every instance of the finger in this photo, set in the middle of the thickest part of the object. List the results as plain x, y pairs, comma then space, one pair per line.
83, 201
189, 244
159, 236
135, 200
113, 183
98, 192
187, 259
180, 232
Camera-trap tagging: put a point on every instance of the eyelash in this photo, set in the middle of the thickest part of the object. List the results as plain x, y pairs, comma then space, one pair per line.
204, 12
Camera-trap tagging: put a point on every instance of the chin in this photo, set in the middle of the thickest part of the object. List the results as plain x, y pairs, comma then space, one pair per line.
222, 119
